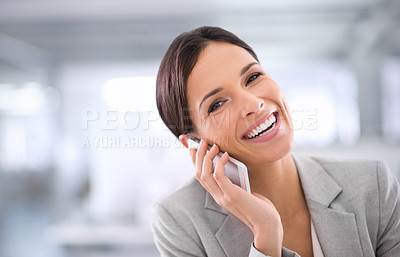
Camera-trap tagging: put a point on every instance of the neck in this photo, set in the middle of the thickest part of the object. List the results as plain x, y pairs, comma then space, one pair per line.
280, 183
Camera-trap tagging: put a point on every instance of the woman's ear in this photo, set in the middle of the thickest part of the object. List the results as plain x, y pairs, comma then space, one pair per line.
183, 139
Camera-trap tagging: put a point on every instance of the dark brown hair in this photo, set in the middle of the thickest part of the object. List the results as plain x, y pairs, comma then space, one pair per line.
175, 69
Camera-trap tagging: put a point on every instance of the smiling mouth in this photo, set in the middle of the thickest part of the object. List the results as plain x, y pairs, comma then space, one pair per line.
264, 128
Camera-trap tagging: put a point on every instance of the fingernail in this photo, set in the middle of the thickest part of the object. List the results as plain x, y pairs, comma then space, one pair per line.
202, 143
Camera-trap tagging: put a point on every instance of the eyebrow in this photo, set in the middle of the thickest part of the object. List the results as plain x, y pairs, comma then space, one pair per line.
217, 90
247, 67
213, 92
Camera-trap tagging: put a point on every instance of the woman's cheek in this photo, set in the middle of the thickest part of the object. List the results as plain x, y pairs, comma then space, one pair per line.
219, 122
217, 131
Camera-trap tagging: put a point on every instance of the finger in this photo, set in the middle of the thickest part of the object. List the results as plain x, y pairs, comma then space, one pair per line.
208, 169
233, 195
208, 159
200, 157
193, 155
219, 174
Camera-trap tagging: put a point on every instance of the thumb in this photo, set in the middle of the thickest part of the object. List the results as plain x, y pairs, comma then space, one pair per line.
193, 155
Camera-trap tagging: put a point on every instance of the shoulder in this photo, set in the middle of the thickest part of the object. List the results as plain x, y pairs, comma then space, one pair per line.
183, 213
173, 222
354, 173
356, 182
364, 183
369, 191
189, 197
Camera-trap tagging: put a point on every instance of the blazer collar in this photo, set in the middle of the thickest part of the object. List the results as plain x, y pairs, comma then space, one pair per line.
317, 185
337, 230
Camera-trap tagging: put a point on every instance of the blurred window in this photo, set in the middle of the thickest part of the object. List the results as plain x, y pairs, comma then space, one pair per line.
25, 126
391, 100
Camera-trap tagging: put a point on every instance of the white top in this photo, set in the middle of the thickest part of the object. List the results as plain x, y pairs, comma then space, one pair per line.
317, 251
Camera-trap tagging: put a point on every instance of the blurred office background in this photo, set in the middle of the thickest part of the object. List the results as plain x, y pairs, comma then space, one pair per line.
83, 153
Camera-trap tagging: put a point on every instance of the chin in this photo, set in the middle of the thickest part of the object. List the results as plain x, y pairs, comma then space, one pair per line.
279, 152
272, 154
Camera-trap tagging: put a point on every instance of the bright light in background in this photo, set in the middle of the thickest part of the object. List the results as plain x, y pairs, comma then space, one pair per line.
27, 100
25, 127
131, 94
347, 110
32, 98
323, 102
314, 117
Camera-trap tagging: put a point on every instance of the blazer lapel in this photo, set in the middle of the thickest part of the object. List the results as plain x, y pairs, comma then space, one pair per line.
233, 235
336, 230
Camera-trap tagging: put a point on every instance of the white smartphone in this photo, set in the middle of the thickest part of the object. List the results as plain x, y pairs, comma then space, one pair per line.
235, 170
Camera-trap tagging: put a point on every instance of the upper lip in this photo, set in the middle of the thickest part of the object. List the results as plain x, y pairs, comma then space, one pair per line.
257, 123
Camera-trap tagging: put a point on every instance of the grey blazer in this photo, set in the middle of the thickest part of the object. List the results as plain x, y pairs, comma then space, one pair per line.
354, 205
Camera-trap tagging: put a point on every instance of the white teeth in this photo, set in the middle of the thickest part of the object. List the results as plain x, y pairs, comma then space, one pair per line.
272, 119
262, 127
266, 132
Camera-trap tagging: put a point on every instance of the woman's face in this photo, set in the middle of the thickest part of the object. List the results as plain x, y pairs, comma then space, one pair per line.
236, 105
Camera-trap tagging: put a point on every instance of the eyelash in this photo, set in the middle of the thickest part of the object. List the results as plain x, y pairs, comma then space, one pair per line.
214, 105
252, 78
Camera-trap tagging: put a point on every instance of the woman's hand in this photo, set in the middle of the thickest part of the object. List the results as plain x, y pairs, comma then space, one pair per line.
256, 211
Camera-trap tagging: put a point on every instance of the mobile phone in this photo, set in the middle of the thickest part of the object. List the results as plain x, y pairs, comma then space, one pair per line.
235, 170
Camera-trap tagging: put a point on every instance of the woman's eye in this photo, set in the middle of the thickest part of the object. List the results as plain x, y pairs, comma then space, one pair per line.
252, 78
215, 106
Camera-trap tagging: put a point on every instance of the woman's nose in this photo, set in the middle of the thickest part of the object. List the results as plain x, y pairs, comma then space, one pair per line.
251, 104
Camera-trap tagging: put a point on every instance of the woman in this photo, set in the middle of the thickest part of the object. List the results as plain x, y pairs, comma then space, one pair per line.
211, 86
